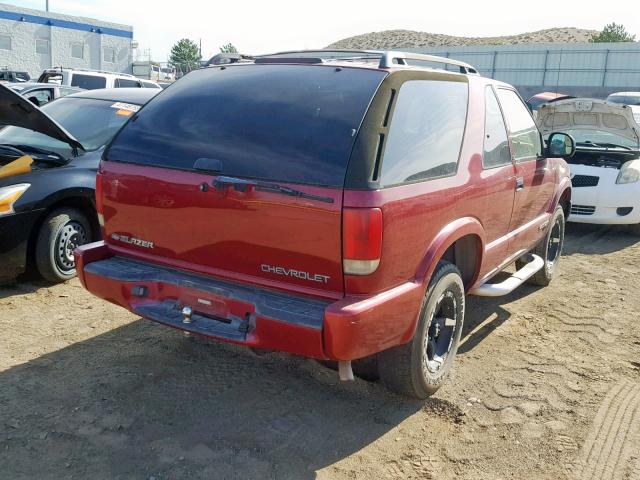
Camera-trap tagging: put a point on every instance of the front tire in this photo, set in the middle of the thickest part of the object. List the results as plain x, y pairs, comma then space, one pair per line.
417, 369
549, 249
62, 231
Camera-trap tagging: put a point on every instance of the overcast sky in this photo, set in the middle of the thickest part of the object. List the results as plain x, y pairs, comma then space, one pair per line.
267, 26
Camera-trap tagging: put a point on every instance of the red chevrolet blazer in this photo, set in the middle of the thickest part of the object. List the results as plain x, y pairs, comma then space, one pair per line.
336, 205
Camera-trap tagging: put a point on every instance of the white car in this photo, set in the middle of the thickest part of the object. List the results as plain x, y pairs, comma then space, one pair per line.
93, 79
626, 98
605, 169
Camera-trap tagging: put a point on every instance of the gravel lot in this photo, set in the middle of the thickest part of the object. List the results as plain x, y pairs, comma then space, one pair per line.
547, 386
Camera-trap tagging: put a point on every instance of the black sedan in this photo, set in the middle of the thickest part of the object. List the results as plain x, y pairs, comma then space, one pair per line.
48, 163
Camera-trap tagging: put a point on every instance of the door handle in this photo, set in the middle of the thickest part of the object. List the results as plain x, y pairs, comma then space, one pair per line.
519, 184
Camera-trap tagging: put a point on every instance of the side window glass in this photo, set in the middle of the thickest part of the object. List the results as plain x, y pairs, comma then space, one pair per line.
40, 97
496, 144
523, 131
126, 83
426, 131
88, 82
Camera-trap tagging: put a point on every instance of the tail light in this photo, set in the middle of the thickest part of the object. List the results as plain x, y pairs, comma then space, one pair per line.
361, 240
99, 203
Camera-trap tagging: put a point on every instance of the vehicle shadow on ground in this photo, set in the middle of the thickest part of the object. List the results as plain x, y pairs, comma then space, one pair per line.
143, 401
590, 239
21, 287
483, 315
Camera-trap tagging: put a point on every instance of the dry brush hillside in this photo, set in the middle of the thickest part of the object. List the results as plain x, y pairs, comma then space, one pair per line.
411, 38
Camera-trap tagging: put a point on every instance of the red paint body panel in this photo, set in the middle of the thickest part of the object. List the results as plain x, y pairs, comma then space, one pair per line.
353, 327
230, 235
225, 233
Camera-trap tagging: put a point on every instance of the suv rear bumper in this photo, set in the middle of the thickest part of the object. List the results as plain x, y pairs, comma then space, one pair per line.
350, 328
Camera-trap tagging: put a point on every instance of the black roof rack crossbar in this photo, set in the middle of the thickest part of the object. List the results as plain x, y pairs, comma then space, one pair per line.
285, 59
324, 53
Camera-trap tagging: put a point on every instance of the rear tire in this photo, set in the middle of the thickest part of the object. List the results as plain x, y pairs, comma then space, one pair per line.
549, 249
417, 369
61, 232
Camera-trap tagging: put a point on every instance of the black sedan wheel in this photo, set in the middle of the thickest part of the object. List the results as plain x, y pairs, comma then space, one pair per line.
61, 232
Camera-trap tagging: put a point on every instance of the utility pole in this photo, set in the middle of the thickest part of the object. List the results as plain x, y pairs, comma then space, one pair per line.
200, 49
47, 7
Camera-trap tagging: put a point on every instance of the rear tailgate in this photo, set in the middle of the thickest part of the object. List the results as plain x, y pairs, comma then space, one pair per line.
290, 127
264, 237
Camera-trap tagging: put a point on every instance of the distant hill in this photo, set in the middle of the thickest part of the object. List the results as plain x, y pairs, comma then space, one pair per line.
412, 38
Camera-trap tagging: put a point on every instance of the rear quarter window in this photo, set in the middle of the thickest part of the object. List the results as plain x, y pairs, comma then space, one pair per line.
289, 123
88, 82
426, 131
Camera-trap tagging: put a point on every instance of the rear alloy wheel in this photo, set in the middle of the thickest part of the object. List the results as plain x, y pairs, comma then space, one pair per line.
549, 249
417, 369
62, 231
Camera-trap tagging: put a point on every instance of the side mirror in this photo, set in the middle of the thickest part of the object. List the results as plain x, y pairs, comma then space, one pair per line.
560, 145
35, 101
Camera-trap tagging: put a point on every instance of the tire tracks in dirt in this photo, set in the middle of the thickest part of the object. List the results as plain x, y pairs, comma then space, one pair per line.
607, 451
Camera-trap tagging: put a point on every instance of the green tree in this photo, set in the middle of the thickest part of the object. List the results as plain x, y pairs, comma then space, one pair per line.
613, 33
185, 56
228, 48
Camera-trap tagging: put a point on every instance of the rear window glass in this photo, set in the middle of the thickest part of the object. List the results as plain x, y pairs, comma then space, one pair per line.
625, 99
426, 131
125, 83
88, 82
290, 123
92, 122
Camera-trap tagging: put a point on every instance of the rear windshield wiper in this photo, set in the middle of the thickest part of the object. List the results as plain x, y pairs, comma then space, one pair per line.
241, 185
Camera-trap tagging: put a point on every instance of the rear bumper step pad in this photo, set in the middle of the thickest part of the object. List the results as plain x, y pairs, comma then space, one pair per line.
286, 308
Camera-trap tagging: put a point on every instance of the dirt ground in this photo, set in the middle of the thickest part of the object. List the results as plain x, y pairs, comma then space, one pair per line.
547, 386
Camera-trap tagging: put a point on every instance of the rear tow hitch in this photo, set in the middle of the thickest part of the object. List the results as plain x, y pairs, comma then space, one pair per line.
186, 314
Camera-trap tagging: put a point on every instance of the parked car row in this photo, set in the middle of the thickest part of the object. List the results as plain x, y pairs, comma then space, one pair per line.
336, 205
93, 79
80, 78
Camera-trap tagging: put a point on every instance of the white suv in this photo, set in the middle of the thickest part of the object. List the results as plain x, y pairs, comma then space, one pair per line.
92, 79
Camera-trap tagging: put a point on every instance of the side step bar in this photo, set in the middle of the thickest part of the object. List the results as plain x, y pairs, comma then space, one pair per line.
514, 281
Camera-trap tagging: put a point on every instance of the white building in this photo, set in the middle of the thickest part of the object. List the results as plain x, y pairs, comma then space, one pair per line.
32, 40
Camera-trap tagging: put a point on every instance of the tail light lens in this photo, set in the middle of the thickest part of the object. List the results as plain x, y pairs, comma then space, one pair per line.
361, 240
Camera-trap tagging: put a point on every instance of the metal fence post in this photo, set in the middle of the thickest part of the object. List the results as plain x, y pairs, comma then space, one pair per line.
604, 69
493, 64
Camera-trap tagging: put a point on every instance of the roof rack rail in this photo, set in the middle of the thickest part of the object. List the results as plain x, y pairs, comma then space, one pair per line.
226, 58
387, 59
390, 59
